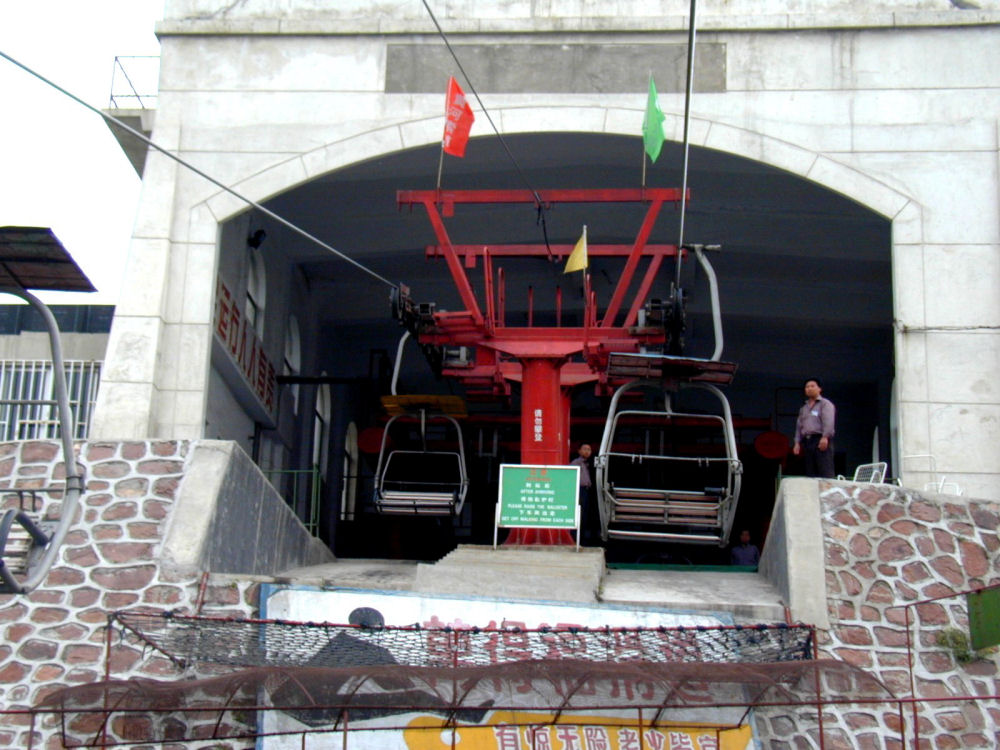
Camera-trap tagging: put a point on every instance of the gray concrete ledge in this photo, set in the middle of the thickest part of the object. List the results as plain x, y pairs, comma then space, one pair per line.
555, 574
227, 518
794, 557
576, 24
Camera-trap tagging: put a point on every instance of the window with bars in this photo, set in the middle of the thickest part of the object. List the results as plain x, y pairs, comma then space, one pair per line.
28, 410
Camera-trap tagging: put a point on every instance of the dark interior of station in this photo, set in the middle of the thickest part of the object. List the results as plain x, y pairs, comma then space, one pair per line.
805, 286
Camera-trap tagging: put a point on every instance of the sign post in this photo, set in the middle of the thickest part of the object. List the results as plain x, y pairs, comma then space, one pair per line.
535, 496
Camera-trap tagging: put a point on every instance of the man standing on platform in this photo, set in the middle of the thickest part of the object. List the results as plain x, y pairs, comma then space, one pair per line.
586, 498
814, 431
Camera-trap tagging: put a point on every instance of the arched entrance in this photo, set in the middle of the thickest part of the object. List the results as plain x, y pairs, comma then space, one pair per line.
805, 278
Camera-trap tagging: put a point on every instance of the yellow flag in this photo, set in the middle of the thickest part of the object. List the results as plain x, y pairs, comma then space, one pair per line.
578, 260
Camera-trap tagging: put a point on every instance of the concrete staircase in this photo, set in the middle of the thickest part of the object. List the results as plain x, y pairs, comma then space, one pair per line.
539, 573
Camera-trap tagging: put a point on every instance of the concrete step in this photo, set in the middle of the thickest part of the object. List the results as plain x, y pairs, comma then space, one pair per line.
747, 596
516, 572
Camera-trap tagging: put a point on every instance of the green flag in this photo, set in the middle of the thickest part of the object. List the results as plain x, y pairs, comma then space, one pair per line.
652, 124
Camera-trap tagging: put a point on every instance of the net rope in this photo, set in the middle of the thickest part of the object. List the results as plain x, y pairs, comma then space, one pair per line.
268, 643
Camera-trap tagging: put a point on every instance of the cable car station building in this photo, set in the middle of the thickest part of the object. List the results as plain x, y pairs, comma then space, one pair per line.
844, 162
843, 158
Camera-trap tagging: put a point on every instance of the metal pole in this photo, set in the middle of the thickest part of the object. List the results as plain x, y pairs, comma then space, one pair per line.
399, 359
713, 286
74, 480
687, 123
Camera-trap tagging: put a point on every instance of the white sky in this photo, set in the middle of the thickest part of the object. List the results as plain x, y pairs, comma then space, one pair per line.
60, 167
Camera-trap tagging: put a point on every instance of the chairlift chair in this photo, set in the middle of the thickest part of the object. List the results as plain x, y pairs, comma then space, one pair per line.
653, 492
421, 480
873, 473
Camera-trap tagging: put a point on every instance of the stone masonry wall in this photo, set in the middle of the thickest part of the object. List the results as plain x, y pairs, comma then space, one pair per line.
887, 547
56, 636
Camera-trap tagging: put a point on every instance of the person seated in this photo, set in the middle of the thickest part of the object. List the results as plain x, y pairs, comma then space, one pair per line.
745, 553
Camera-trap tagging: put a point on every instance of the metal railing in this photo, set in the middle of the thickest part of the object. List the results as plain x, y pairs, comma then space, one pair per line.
28, 410
297, 485
135, 82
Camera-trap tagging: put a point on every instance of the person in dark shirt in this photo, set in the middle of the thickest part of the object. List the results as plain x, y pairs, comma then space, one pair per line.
745, 553
586, 498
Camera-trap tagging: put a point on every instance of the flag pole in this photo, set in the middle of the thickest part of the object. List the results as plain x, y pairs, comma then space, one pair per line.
644, 142
440, 165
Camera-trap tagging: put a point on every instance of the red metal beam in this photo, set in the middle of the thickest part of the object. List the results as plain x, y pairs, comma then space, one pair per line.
640, 296
611, 195
457, 273
630, 265
471, 252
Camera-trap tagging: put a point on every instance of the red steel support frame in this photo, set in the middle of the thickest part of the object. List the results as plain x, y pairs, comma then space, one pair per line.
543, 353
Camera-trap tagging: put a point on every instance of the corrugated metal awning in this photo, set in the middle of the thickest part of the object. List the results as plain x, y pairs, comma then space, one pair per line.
34, 258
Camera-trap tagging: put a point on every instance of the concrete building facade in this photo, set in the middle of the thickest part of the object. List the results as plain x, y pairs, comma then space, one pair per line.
845, 155
891, 105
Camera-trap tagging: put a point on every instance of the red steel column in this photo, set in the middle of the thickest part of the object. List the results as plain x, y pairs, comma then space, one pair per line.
544, 433
543, 440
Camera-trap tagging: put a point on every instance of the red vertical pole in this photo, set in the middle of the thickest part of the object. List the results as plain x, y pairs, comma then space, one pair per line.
543, 439
544, 433
567, 400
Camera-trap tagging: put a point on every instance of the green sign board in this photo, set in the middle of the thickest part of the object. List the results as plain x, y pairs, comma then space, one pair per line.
984, 617
538, 497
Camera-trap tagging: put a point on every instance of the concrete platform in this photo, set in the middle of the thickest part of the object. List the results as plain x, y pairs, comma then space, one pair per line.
748, 597
556, 574
552, 573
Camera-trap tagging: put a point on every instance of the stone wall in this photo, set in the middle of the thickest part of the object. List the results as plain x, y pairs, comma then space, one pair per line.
56, 636
888, 551
884, 548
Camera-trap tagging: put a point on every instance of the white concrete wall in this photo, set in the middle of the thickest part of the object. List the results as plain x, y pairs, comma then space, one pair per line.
89, 347
891, 103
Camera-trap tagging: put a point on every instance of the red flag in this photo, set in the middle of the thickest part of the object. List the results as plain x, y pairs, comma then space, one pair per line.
458, 120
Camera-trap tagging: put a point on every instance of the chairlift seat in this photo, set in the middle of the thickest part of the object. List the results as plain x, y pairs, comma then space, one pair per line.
656, 493
421, 483
17, 543
417, 503
653, 506
15, 554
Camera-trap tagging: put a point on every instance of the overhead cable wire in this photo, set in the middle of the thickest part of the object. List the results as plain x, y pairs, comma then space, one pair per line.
149, 142
517, 167
689, 88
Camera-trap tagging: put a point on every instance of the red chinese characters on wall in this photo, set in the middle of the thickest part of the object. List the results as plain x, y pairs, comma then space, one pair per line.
241, 342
